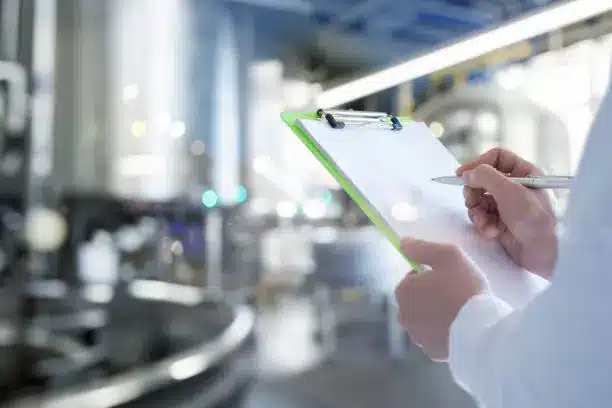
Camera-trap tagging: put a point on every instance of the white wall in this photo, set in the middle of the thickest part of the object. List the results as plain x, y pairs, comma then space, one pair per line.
570, 82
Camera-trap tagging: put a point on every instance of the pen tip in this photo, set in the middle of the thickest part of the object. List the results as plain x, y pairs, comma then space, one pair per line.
451, 180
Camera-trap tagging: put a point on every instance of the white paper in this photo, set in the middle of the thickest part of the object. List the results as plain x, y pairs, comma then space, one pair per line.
393, 170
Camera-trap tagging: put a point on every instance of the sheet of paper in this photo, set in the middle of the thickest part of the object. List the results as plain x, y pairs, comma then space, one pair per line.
393, 170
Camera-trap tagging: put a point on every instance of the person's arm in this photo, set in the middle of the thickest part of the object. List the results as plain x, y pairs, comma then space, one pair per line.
478, 332
556, 351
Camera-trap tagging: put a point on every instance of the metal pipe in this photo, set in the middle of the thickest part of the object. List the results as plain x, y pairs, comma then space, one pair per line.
123, 388
10, 28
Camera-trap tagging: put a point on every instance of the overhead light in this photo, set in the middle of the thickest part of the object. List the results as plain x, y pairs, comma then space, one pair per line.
548, 19
437, 129
286, 209
314, 209
130, 92
177, 129
164, 121
139, 128
512, 77
260, 206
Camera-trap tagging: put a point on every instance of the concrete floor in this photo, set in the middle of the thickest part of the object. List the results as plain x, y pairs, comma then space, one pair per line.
293, 373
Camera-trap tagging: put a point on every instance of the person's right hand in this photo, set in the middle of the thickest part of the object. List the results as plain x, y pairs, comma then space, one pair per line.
522, 219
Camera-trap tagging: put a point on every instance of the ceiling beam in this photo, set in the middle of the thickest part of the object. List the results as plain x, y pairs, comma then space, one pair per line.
535, 24
469, 16
363, 9
293, 6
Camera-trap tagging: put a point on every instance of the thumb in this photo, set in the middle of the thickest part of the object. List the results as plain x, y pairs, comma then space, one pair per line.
428, 253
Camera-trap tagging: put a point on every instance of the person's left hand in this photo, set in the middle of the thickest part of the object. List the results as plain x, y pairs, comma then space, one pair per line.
429, 302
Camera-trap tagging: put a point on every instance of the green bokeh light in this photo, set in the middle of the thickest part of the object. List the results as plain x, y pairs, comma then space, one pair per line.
327, 197
240, 195
209, 199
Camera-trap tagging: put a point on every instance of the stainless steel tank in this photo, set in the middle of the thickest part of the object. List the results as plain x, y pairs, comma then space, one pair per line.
472, 119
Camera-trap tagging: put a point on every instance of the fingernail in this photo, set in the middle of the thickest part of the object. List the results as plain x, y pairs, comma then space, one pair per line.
467, 177
491, 232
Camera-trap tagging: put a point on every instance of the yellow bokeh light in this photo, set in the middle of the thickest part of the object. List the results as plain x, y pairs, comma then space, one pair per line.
139, 128
437, 129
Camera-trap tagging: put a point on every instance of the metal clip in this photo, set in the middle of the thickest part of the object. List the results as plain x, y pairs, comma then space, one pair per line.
339, 119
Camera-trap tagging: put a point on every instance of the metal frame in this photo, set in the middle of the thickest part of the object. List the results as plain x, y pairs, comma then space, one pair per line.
338, 119
126, 387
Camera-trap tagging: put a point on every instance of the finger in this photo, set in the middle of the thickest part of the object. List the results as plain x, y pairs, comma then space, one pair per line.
490, 230
429, 253
477, 216
497, 184
509, 241
504, 161
477, 197
406, 281
484, 222
472, 196
516, 207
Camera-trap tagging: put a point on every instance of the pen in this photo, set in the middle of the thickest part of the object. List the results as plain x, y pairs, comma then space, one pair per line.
538, 182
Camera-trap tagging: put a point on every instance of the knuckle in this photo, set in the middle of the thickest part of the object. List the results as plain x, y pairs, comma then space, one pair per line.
495, 151
482, 169
484, 173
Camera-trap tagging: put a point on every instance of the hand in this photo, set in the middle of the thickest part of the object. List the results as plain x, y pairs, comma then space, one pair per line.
430, 301
521, 219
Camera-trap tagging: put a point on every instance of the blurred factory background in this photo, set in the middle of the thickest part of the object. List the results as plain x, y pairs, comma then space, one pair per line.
166, 240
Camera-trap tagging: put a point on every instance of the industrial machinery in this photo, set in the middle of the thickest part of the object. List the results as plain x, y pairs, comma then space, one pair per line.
138, 344
80, 334
471, 119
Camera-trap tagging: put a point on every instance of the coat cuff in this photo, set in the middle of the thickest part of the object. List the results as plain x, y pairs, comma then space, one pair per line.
467, 334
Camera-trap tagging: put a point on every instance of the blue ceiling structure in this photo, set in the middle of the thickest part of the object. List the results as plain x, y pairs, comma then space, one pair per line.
347, 34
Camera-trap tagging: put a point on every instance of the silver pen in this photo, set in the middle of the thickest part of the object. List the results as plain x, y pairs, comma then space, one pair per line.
538, 182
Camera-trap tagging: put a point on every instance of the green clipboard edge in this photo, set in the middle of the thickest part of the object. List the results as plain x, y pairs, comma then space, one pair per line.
290, 118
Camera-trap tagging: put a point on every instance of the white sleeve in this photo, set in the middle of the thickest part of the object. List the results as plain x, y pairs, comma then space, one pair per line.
472, 329
555, 352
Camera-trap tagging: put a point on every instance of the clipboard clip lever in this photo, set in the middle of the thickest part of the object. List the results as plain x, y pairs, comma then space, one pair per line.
338, 119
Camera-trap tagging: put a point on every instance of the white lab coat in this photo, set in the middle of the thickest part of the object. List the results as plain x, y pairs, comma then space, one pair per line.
556, 352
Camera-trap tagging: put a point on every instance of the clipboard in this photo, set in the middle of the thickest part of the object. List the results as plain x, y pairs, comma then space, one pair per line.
358, 137
291, 119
